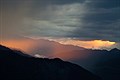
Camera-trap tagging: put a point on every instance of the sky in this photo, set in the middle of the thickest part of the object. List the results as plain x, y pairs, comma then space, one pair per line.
79, 21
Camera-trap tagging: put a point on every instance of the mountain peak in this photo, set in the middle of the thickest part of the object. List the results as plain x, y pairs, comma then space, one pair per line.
115, 50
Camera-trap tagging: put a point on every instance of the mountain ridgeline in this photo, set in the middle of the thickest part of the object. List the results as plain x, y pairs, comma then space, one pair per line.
103, 63
15, 65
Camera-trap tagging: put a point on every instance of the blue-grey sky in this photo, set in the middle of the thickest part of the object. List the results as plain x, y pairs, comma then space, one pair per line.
81, 19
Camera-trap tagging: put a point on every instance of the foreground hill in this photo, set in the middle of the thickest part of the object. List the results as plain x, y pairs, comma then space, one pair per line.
14, 65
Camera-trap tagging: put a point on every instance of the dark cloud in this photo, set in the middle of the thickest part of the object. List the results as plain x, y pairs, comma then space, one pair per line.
83, 19
104, 3
102, 21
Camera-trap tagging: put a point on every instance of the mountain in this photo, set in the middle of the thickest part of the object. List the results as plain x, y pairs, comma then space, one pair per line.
115, 50
14, 66
104, 63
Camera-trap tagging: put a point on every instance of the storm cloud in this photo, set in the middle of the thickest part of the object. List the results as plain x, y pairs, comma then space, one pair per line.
81, 19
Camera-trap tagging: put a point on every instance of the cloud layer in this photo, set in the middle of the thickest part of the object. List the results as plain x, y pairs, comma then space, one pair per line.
82, 19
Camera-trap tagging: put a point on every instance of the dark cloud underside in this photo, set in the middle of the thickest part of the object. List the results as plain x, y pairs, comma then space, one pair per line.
83, 19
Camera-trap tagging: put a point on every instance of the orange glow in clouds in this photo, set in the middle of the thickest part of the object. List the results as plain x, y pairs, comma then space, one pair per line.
96, 44
23, 45
53, 49
28, 45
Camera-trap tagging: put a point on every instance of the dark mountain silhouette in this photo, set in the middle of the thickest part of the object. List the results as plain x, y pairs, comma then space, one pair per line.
14, 66
115, 50
104, 63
